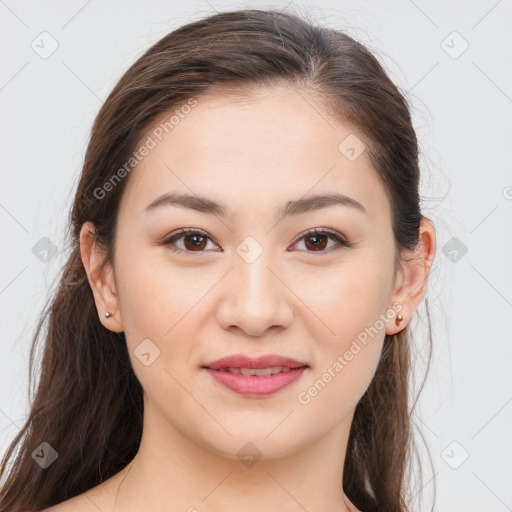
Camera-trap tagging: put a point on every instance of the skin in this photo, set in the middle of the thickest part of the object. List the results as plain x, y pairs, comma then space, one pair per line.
252, 155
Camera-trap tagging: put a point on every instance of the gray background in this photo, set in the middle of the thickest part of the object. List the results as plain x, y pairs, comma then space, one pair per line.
462, 104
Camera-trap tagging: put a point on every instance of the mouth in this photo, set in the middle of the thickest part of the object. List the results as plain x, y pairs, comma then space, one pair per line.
256, 372
256, 382
268, 362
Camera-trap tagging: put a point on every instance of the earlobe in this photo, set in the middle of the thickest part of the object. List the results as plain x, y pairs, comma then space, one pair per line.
101, 279
398, 321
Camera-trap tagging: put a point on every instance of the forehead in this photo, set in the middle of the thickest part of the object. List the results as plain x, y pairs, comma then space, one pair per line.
251, 150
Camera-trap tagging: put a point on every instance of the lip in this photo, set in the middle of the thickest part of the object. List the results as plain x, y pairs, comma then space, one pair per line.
254, 385
264, 361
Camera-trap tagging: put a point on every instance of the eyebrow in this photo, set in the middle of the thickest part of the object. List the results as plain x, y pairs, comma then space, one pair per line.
295, 207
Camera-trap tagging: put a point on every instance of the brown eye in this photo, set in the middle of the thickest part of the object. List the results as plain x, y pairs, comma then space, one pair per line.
316, 240
196, 242
193, 241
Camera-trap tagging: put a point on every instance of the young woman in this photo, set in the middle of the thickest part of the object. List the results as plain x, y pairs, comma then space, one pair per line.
247, 250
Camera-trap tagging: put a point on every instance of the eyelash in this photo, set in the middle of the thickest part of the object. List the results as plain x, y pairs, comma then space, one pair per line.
333, 235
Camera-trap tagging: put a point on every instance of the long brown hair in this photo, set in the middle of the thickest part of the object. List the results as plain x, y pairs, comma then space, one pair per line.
88, 404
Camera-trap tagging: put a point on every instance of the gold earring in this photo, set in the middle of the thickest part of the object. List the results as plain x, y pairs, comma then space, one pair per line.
399, 318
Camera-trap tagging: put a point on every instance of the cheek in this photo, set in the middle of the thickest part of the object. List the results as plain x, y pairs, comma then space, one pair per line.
344, 367
344, 302
165, 305
348, 325
158, 314
155, 296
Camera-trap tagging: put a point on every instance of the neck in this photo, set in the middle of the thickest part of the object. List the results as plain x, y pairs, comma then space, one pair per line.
173, 472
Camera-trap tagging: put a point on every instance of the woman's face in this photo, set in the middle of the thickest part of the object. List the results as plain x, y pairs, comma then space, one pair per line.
248, 280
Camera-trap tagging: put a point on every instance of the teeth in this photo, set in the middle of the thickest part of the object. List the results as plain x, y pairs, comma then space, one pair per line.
261, 372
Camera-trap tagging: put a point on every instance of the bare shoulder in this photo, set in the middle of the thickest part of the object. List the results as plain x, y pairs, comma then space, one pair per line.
101, 497
80, 503
75, 504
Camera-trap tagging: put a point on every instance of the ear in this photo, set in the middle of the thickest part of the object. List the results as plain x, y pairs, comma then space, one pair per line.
102, 282
412, 278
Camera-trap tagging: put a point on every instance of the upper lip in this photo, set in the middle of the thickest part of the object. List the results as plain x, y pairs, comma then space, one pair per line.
264, 361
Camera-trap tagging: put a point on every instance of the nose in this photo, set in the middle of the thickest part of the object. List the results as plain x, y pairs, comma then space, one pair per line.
255, 297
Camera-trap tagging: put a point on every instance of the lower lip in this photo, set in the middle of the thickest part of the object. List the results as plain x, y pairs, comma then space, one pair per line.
253, 385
